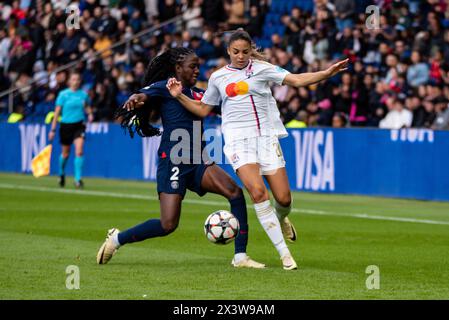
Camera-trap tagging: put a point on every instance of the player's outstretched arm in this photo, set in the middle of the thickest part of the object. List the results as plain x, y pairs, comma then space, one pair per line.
194, 106
305, 79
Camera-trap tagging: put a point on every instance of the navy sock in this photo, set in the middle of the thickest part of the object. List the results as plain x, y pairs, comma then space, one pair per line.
238, 208
149, 229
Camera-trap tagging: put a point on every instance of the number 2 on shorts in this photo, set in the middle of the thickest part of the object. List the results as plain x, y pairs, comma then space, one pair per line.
174, 176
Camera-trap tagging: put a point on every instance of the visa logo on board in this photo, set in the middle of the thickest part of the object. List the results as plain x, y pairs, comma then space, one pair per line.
33, 138
315, 163
412, 135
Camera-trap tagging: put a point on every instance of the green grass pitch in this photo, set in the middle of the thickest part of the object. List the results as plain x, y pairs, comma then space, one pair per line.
44, 229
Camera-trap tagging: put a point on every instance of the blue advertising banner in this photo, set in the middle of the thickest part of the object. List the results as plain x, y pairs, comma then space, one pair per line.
408, 163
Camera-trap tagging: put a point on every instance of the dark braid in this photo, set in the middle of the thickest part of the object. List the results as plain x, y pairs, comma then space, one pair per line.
160, 68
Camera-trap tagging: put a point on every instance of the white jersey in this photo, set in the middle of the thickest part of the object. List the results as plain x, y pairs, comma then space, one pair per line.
247, 104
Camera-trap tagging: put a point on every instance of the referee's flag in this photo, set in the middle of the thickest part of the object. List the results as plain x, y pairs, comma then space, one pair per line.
40, 165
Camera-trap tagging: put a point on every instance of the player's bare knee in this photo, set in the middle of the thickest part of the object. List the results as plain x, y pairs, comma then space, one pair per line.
169, 226
285, 200
234, 192
258, 193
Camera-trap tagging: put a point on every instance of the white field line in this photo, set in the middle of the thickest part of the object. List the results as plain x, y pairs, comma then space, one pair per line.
214, 203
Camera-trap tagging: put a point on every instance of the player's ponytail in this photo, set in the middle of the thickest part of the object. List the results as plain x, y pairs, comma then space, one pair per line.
162, 66
137, 121
241, 34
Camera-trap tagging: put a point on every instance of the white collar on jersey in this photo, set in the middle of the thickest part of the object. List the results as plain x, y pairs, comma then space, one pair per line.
249, 68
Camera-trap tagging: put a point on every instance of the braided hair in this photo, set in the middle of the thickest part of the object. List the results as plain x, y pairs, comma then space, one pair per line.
160, 68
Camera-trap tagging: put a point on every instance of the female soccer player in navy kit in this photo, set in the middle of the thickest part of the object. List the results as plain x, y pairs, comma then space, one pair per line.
174, 178
252, 127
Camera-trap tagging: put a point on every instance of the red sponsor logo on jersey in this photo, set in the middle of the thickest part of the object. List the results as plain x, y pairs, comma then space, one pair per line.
239, 88
197, 95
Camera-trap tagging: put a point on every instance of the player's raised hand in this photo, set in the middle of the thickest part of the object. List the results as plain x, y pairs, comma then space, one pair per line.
337, 68
135, 101
174, 87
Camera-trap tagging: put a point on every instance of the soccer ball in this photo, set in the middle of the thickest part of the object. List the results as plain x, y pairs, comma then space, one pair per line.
221, 227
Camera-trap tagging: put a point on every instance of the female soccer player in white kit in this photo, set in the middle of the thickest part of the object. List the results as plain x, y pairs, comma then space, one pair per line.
251, 127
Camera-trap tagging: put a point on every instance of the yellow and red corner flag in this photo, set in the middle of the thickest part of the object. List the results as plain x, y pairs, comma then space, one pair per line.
40, 165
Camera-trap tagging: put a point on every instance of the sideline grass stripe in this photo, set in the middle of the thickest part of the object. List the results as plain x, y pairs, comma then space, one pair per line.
216, 203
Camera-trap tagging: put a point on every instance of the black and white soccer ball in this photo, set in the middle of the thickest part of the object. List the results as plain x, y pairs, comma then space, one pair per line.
221, 227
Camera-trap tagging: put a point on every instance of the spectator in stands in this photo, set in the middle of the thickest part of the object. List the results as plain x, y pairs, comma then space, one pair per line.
151, 10
255, 23
344, 13
402, 50
398, 117
321, 46
40, 75
442, 114
102, 45
192, 17
291, 111
421, 118
339, 120
21, 57
67, 49
5, 44
104, 102
236, 14
418, 72
300, 121
219, 48
435, 67
212, 11
168, 9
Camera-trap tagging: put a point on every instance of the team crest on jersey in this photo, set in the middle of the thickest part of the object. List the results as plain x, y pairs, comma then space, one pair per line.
249, 71
235, 158
174, 185
197, 95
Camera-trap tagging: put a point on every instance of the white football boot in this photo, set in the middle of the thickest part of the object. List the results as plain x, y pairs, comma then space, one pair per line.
247, 262
108, 248
288, 263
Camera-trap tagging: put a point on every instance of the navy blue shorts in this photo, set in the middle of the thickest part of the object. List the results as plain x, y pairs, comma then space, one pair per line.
177, 178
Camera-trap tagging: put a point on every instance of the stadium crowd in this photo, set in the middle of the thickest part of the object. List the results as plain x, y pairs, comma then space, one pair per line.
399, 73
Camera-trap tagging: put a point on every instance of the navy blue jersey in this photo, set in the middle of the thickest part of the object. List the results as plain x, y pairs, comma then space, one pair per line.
179, 171
174, 116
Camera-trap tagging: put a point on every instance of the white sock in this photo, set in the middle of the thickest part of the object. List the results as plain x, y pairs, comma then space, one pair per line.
281, 212
115, 239
270, 223
240, 256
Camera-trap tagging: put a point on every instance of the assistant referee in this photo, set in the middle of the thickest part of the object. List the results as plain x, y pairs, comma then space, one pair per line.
72, 104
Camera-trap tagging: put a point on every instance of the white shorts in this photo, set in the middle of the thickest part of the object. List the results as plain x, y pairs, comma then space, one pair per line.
264, 150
